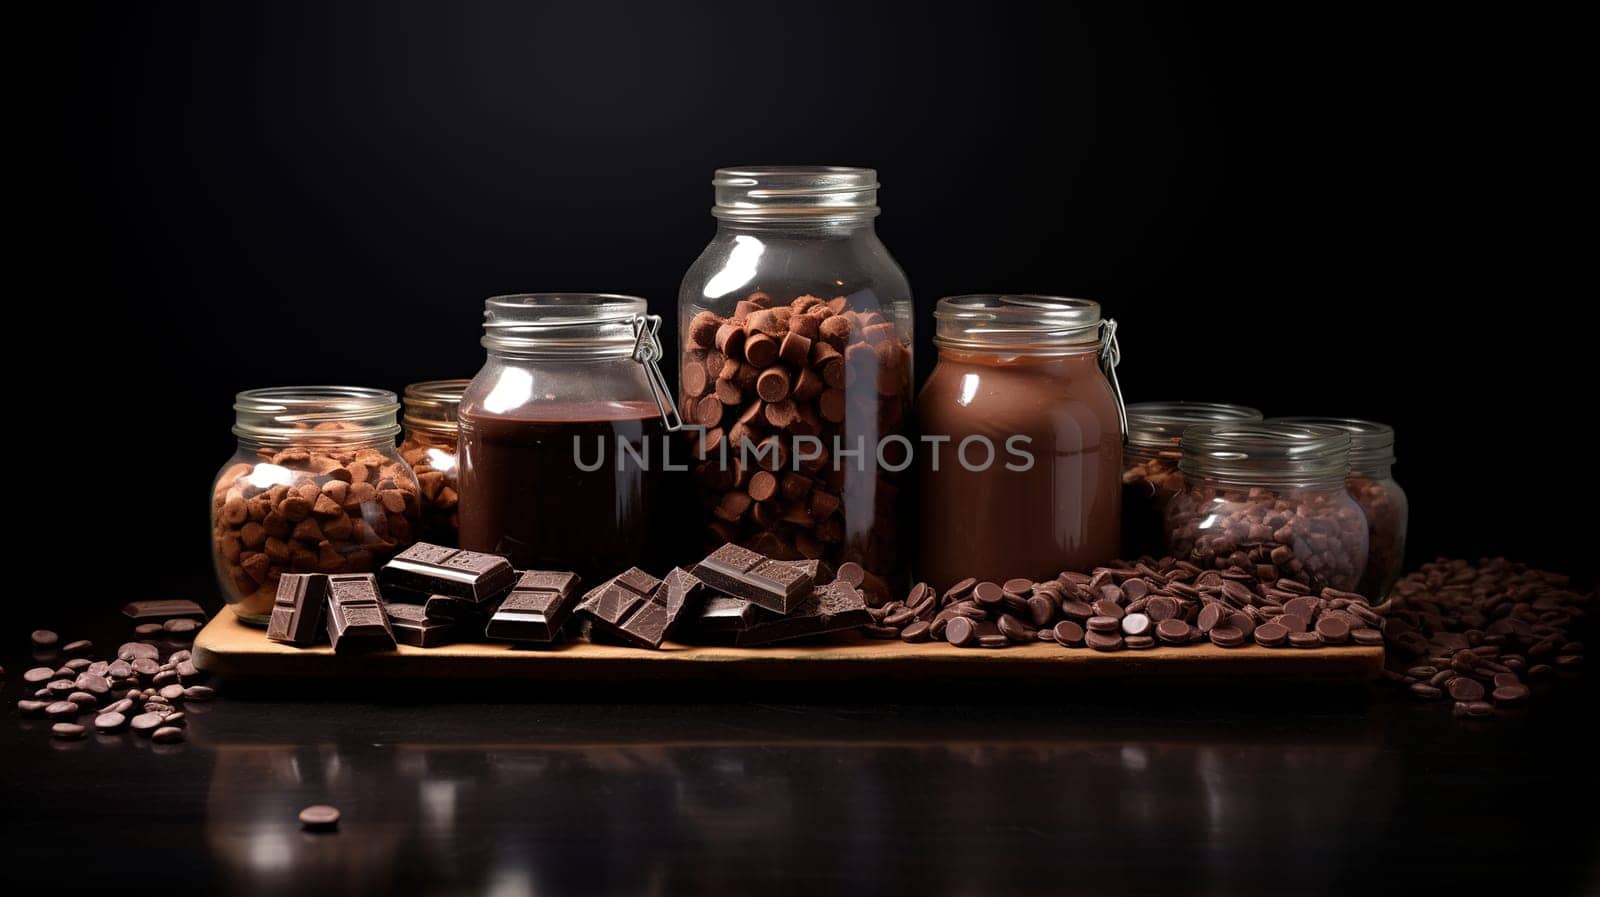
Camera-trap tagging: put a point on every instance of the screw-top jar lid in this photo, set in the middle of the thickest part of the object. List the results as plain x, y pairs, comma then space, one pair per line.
316, 414
572, 324
1371, 443
1021, 324
432, 406
1268, 453
781, 192
1161, 424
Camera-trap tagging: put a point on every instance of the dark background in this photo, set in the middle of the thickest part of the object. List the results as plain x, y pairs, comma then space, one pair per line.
1319, 209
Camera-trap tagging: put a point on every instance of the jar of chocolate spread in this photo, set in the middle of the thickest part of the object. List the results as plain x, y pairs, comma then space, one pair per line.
564, 458
1021, 444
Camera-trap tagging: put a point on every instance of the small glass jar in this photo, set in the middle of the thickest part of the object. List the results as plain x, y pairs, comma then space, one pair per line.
564, 459
428, 443
1268, 499
1371, 483
1150, 475
316, 486
1021, 450
796, 367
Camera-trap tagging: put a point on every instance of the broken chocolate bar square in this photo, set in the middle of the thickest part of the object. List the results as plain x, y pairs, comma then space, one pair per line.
356, 620
830, 608
535, 610
425, 569
775, 585
298, 608
639, 609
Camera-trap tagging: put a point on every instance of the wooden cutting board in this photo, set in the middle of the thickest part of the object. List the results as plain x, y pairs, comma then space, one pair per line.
229, 648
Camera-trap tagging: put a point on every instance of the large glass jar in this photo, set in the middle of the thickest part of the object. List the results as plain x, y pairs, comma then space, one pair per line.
1371, 483
428, 443
563, 457
316, 486
1150, 475
1021, 449
796, 368
1267, 500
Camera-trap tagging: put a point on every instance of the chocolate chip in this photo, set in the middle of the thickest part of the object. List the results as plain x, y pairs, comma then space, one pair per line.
1174, 631
81, 646
167, 735
1104, 624
1226, 636
67, 731
38, 675
961, 632
1511, 695
62, 710
44, 638
1135, 624
1333, 631
145, 723
1103, 641
1463, 688
26, 707
1271, 635
110, 721
1139, 642
320, 818
916, 632
1068, 633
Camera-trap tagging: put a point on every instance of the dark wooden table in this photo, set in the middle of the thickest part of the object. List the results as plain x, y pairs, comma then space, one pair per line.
525, 789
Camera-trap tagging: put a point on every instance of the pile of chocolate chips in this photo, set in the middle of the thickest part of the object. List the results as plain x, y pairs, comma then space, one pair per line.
1482, 634
137, 690
1135, 605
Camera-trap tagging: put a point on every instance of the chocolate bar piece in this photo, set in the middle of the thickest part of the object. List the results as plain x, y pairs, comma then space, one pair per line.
775, 585
437, 570
411, 626
356, 621
450, 609
297, 608
535, 609
723, 613
639, 609
830, 608
162, 609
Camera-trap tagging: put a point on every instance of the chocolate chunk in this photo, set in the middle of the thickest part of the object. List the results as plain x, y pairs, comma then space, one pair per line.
639, 609
773, 585
355, 617
450, 609
411, 626
830, 608
298, 609
536, 609
162, 609
437, 570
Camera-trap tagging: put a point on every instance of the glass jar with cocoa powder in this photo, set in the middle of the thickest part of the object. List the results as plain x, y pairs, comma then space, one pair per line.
316, 486
1371, 483
1150, 475
1021, 441
1268, 499
795, 371
428, 442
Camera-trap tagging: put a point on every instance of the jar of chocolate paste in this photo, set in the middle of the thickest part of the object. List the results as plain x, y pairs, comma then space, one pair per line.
1021, 445
316, 486
796, 370
1371, 483
429, 442
564, 460
1268, 500
1150, 475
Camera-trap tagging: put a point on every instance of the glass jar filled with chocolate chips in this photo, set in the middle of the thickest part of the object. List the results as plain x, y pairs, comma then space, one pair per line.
428, 443
316, 486
1371, 483
1268, 501
564, 455
1021, 441
1150, 475
796, 370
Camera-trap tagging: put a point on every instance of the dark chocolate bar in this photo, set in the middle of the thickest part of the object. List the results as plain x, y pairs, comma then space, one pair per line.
639, 609
297, 609
535, 609
356, 620
724, 613
450, 609
411, 626
775, 585
162, 609
830, 608
437, 570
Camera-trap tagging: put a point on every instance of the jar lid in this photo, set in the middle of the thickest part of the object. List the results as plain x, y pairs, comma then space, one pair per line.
571, 324
1371, 443
1022, 324
781, 192
1250, 453
316, 414
1161, 424
432, 405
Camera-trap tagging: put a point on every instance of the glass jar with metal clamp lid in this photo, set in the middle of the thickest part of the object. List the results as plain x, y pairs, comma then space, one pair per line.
564, 456
1021, 447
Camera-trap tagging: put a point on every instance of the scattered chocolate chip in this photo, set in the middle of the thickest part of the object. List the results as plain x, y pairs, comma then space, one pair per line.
320, 818
67, 731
